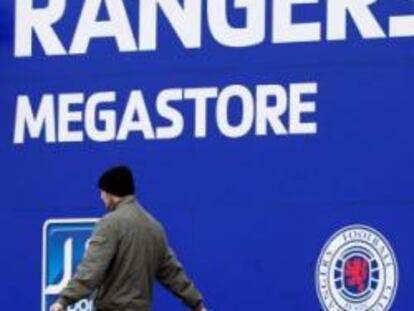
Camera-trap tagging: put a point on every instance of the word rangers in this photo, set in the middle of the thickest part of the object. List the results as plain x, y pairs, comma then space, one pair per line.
186, 20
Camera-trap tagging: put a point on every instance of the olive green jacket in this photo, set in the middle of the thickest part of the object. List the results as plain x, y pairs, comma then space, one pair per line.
126, 253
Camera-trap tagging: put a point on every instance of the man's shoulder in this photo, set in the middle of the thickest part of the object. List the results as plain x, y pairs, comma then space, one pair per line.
111, 219
132, 213
149, 221
106, 221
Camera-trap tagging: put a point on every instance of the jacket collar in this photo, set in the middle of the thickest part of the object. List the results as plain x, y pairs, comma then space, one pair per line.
126, 200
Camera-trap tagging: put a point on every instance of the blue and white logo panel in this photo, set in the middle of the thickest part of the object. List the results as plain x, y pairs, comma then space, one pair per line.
64, 244
357, 271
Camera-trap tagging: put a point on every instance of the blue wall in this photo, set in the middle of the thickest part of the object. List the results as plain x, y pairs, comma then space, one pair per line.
248, 217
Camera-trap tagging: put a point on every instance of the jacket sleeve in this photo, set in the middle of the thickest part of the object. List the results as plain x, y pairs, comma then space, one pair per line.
101, 250
172, 276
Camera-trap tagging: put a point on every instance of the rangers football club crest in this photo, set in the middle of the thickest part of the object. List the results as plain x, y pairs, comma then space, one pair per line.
357, 271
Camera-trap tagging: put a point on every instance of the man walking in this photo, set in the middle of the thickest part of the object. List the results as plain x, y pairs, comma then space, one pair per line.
127, 252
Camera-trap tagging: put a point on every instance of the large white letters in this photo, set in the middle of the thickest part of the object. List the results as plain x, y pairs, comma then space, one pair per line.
117, 27
254, 31
285, 31
186, 21
26, 119
136, 118
39, 21
233, 111
108, 117
361, 14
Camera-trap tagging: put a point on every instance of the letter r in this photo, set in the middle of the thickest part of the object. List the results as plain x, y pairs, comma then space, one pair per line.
39, 21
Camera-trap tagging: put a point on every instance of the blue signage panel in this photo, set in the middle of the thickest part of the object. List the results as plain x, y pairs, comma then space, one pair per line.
64, 244
273, 139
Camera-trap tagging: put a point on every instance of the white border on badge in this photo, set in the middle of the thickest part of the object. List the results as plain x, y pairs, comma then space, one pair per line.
47, 223
324, 252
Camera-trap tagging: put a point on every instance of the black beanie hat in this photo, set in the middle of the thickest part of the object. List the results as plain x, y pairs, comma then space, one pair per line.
117, 181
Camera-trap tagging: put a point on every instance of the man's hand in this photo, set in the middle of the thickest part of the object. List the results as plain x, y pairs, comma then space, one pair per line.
200, 307
57, 307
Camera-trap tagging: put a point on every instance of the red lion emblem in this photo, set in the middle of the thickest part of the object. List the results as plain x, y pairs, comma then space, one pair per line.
356, 271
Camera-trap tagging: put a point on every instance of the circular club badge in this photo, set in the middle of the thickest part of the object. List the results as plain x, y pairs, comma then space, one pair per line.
357, 271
